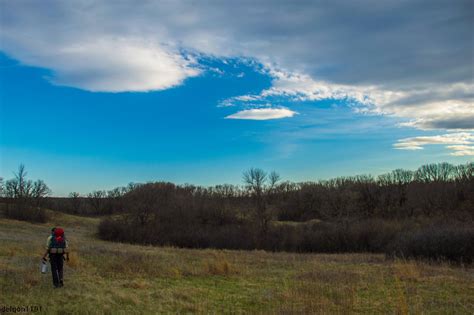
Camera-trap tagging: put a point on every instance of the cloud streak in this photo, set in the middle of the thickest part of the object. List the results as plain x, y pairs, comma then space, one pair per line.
263, 114
448, 107
461, 143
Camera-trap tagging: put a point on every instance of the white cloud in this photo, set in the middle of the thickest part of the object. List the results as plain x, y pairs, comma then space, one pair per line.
448, 107
262, 114
115, 65
437, 107
462, 150
306, 37
462, 143
111, 64
293, 87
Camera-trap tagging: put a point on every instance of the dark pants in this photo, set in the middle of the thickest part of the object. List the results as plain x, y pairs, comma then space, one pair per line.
57, 268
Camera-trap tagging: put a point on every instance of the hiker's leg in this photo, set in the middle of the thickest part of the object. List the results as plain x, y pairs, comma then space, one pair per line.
53, 258
60, 268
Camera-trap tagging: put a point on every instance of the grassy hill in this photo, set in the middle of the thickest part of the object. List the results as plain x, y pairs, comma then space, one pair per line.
113, 278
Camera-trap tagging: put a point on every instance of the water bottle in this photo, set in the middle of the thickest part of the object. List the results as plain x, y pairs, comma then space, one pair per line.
44, 266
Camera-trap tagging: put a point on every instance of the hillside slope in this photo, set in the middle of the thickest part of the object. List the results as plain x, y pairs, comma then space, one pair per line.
112, 278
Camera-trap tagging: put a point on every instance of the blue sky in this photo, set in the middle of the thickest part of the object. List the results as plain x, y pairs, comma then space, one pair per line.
89, 106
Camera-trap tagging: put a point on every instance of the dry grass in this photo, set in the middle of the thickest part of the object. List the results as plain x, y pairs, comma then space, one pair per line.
218, 265
113, 278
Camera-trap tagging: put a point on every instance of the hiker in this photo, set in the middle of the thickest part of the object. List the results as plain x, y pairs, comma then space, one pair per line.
56, 247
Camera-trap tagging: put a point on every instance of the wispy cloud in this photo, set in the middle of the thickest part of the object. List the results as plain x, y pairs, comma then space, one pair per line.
461, 143
446, 107
462, 150
263, 114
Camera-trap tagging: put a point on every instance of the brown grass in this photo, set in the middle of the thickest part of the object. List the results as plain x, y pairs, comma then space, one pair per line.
219, 266
74, 261
112, 278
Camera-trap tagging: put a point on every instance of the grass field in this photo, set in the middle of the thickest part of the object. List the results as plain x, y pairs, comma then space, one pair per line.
112, 278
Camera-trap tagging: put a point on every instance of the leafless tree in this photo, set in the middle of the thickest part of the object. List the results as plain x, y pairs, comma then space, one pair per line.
115, 199
19, 187
147, 201
435, 172
75, 201
394, 187
39, 191
464, 172
273, 179
26, 196
260, 185
96, 200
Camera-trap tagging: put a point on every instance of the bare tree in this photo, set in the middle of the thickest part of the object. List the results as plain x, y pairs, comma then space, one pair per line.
367, 192
273, 179
260, 185
255, 180
75, 200
24, 194
96, 200
395, 185
435, 172
464, 172
39, 191
115, 200
147, 201
19, 187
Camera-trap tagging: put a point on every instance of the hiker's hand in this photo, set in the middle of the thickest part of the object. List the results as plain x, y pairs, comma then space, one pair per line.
44, 259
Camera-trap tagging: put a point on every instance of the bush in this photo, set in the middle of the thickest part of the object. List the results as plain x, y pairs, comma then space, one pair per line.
452, 242
169, 234
395, 238
335, 237
25, 213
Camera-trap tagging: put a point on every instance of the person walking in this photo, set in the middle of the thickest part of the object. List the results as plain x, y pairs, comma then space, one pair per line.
56, 247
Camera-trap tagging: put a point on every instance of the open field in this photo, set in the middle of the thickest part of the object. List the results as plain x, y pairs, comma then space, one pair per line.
114, 278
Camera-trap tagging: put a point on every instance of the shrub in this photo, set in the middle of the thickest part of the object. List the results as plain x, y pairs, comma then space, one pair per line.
26, 213
395, 238
355, 236
452, 242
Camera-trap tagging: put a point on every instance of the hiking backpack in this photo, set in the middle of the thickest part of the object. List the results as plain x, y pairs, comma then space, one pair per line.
58, 242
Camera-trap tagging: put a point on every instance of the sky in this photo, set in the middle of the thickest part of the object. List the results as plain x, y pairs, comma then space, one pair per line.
98, 94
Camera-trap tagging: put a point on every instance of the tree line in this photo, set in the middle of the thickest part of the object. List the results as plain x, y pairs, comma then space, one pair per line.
432, 190
24, 199
388, 213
